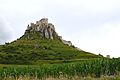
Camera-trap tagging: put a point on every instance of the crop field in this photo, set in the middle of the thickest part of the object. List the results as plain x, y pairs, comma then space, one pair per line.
95, 68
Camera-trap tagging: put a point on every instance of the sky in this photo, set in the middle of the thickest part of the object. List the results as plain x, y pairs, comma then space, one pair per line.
91, 25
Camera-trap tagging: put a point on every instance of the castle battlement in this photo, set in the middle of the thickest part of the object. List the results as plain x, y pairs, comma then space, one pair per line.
44, 20
47, 30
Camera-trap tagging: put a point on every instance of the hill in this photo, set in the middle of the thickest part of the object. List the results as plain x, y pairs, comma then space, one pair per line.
40, 42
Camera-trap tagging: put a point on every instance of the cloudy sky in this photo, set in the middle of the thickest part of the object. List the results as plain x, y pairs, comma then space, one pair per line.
92, 25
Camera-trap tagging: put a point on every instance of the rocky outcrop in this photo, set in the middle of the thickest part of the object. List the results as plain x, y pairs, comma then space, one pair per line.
69, 43
46, 29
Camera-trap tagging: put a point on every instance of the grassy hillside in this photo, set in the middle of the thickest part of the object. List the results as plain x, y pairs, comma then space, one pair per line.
31, 48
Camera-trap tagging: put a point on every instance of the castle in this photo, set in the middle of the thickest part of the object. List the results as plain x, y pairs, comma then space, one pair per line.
47, 30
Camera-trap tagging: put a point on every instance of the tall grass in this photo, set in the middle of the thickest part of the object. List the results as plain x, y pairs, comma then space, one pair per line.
92, 68
117, 77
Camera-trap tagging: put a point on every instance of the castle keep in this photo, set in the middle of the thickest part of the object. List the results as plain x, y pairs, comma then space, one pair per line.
47, 30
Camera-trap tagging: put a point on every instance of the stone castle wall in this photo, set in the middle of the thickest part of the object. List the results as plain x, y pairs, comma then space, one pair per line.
47, 30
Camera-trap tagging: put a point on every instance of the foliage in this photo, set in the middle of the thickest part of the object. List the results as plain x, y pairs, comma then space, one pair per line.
94, 68
31, 47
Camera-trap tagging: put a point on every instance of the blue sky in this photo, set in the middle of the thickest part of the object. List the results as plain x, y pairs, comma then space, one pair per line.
92, 25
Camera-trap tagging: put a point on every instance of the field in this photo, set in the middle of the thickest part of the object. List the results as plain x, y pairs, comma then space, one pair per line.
84, 69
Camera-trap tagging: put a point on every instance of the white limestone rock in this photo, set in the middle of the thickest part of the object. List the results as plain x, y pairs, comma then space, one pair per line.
46, 29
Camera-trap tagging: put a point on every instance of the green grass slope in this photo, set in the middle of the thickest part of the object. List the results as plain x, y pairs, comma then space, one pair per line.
31, 49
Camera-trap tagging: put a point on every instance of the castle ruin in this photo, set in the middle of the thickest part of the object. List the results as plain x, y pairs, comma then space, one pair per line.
47, 30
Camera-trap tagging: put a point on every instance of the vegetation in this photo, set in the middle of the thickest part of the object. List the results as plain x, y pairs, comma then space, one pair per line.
94, 68
117, 77
33, 57
31, 48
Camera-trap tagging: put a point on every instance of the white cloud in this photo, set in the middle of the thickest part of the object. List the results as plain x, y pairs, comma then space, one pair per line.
6, 31
105, 40
93, 25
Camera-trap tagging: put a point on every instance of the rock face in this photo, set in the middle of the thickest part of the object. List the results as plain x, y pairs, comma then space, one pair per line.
69, 43
47, 30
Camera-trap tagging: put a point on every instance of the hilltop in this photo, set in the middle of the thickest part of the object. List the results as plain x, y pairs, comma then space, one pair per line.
41, 42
